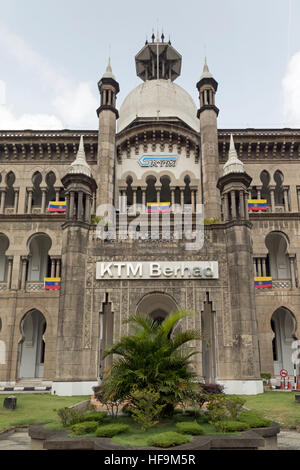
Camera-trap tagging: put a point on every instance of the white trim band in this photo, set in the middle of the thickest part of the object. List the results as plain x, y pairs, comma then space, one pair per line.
242, 387
73, 388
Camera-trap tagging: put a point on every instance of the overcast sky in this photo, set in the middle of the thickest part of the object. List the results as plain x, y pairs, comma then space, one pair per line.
53, 52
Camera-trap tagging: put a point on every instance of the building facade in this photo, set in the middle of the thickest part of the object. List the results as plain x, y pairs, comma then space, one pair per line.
157, 148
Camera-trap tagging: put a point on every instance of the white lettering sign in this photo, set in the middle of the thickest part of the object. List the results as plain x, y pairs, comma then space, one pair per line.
157, 270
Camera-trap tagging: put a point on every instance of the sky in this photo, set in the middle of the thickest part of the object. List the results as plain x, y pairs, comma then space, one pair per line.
53, 53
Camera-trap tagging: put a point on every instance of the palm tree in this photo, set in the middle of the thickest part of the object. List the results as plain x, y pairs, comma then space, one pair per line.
153, 357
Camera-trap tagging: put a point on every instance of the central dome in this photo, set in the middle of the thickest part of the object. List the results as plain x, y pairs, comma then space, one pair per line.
158, 99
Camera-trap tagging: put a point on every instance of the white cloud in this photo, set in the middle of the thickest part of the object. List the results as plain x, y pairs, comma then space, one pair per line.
73, 104
8, 121
291, 92
2, 92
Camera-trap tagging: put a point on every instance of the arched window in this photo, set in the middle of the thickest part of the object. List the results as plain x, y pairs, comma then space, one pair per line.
37, 192
151, 195
4, 243
129, 191
265, 190
278, 258
10, 192
187, 190
165, 193
50, 182
279, 197
39, 265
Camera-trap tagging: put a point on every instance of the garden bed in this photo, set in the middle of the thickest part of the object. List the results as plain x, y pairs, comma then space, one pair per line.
53, 436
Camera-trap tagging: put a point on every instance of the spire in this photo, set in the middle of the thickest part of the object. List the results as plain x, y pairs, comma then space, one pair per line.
108, 72
80, 165
206, 73
233, 164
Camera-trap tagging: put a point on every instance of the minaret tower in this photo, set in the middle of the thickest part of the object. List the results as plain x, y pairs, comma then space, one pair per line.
243, 354
76, 371
208, 113
108, 114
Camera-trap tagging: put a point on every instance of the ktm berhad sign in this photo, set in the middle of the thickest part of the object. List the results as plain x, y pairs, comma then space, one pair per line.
157, 270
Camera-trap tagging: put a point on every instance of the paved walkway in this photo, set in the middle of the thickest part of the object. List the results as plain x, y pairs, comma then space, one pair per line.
19, 440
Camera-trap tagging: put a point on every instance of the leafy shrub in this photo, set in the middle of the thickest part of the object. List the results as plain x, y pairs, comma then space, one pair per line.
168, 439
231, 426
221, 407
111, 430
217, 409
85, 428
145, 407
98, 416
234, 406
188, 427
254, 420
69, 416
266, 377
108, 397
127, 409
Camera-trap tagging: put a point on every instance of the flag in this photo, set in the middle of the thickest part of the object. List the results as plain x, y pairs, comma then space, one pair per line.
257, 204
57, 206
158, 207
262, 282
52, 283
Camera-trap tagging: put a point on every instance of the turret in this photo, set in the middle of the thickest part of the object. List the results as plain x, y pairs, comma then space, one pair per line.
207, 113
233, 186
108, 114
75, 362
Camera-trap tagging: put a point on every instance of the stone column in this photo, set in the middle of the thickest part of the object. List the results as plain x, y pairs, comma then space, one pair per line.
182, 199
246, 197
144, 199
172, 189
88, 204
72, 199
57, 191
53, 262
80, 206
44, 194
57, 271
258, 188
272, 194
286, 198
226, 207
16, 200
233, 204
298, 197
29, 203
9, 271
254, 267
259, 267
264, 267
2, 204
292, 269
193, 195
241, 205
24, 260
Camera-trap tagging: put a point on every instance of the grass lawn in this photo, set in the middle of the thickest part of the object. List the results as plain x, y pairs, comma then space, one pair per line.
34, 409
277, 406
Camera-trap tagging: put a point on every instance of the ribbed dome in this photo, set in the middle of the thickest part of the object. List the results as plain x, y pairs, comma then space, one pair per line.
158, 98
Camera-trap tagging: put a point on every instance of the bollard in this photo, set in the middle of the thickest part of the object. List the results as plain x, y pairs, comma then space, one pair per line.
10, 403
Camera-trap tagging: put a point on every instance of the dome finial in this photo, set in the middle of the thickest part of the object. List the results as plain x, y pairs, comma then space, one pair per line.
80, 165
233, 164
206, 73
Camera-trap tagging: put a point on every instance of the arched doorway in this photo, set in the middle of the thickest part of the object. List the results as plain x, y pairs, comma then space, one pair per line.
32, 345
283, 324
157, 305
39, 262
